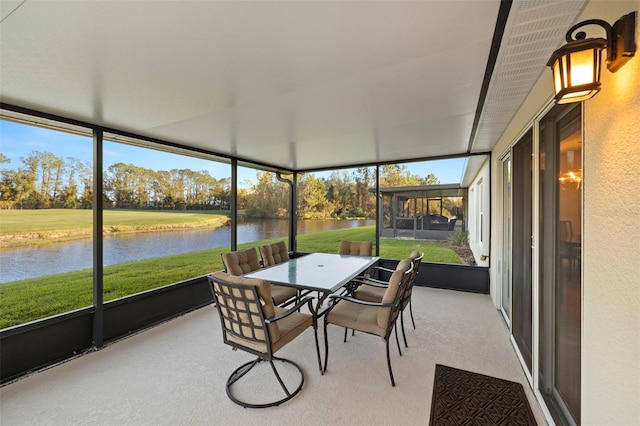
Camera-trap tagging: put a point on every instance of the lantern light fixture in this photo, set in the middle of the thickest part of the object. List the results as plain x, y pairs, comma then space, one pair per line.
576, 65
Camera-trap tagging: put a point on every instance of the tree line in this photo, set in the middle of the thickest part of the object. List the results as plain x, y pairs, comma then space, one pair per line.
44, 180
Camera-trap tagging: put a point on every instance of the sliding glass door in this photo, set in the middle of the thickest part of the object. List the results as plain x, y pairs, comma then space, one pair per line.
541, 231
522, 247
560, 259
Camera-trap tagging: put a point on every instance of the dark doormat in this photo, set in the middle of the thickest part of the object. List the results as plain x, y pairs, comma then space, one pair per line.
465, 398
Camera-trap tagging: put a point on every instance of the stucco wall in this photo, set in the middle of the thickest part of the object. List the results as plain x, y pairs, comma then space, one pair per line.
479, 248
611, 296
611, 231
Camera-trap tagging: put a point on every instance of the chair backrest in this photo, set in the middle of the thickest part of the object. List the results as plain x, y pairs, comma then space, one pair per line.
357, 248
241, 262
415, 258
243, 305
273, 254
394, 294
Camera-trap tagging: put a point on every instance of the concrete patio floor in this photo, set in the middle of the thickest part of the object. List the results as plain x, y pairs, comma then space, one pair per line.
174, 373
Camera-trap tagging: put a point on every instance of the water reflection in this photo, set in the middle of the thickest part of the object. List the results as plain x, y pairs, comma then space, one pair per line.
18, 264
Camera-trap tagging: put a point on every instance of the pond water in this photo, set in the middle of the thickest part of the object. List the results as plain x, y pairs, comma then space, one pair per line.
23, 263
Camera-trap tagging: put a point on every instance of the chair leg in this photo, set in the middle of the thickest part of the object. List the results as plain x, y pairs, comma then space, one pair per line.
273, 367
326, 345
397, 340
245, 368
315, 331
393, 383
404, 335
411, 312
353, 333
240, 372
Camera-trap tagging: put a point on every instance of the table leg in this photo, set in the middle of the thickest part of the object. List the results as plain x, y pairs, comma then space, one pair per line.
316, 315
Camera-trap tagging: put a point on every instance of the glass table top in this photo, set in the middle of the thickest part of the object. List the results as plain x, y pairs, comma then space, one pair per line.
316, 271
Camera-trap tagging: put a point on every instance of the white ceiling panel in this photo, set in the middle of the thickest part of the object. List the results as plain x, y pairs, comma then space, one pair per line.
296, 85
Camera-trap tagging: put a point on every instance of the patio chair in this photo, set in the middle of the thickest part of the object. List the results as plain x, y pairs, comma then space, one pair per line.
275, 253
252, 323
244, 261
370, 317
356, 248
372, 290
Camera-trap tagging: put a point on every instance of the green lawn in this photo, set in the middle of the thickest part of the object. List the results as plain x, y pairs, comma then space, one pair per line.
43, 220
31, 299
45, 226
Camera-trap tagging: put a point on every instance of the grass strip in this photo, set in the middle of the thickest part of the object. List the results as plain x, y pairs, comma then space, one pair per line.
31, 299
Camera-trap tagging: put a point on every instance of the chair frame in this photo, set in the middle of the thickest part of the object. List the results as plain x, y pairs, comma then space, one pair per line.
393, 316
255, 330
407, 297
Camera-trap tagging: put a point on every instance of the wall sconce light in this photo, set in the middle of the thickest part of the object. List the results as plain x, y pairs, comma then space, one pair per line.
576, 65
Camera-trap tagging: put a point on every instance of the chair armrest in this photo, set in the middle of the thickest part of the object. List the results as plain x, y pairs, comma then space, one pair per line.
291, 310
372, 282
383, 269
358, 301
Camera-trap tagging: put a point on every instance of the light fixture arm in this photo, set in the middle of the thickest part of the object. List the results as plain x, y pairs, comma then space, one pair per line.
582, 35
621, 40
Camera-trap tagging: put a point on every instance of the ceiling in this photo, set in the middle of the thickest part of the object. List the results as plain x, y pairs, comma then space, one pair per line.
293, 85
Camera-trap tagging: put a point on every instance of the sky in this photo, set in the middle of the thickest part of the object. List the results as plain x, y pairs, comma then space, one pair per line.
20, 140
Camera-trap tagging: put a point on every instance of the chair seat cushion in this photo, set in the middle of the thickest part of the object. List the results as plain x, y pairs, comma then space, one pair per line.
355, 316
281, 294
290, 327
369, 293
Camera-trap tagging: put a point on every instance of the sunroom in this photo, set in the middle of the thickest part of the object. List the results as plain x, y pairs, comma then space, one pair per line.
240, 114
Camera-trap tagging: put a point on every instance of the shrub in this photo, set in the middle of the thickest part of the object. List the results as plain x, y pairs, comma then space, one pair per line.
459, 238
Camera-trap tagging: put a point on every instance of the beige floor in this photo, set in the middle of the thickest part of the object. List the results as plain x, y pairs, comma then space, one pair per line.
174, 374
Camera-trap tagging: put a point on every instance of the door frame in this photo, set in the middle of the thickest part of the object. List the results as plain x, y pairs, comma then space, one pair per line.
533, 125
505, 238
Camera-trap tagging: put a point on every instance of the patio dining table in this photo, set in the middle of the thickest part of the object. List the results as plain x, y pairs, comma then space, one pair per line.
323, 273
